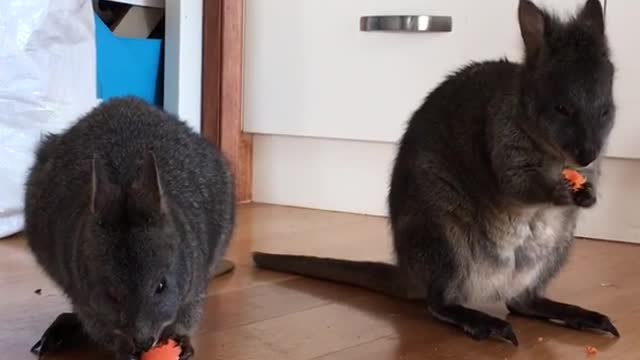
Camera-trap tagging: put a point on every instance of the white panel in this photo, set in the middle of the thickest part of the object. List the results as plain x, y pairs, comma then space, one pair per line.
338, 175
353, 176
183, 60
623, 29
310, 71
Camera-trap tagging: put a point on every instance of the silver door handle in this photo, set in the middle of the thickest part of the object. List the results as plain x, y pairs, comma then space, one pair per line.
406, 23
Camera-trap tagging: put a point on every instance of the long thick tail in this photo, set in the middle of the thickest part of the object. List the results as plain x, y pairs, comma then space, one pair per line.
384, 278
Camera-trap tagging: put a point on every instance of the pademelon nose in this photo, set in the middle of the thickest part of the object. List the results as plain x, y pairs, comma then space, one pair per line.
586, 157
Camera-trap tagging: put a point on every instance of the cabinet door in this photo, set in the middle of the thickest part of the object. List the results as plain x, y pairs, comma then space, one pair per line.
310, 71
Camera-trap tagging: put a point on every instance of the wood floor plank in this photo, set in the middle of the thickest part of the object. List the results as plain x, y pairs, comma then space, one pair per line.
254, 304
305, 334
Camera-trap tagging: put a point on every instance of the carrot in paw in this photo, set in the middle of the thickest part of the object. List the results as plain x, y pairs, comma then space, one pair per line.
575, 178
167, 351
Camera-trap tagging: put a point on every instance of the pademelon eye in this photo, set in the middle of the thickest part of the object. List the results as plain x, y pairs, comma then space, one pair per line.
562, 110
161, 287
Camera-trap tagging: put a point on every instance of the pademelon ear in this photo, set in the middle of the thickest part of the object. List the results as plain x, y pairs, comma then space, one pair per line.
146, 189
105, 196
532, 27
593, 16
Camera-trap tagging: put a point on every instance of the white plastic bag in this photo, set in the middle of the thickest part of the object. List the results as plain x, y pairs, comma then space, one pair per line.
47, 80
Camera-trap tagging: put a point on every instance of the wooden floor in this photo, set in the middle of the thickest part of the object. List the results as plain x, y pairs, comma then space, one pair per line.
263, 315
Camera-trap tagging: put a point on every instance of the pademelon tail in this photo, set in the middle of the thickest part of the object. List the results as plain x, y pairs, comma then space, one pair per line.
380, 277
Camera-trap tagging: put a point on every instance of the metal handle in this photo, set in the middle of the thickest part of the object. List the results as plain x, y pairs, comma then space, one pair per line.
406, 23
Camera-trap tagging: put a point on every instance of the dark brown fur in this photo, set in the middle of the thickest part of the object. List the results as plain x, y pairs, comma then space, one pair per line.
127, 211
478, 208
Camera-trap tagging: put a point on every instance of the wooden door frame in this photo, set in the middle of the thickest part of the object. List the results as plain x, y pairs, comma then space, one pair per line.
222, 70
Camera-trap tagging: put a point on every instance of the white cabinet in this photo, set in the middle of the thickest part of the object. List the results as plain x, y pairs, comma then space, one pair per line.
182, 56
310, 71
329, 101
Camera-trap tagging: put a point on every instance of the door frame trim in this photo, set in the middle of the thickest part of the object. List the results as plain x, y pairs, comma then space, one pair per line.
222, 84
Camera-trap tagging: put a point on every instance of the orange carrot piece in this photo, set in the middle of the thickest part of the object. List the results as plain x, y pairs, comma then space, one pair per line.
167, 351
576, 179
